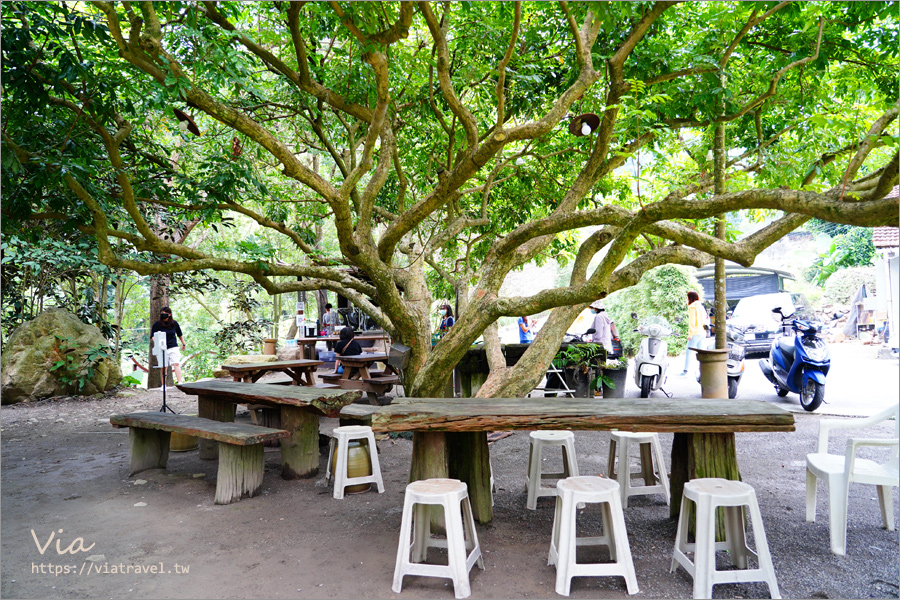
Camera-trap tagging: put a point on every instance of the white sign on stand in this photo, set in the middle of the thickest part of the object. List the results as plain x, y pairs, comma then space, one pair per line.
159, 348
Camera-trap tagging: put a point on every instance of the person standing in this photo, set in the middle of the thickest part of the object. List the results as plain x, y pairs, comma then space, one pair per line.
330, 323
330, 320
173, 333
446, 319
698, 323
604, 328
526, 327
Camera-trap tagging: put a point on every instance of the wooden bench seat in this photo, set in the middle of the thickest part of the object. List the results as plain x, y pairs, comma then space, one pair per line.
331, 377
241, 457
386, 380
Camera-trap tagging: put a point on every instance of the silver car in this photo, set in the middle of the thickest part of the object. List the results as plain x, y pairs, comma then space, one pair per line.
754, 318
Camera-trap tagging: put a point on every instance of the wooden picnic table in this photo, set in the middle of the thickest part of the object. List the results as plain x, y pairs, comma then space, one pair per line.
451, 433
363, 362
308, 344
299, 407
302, 371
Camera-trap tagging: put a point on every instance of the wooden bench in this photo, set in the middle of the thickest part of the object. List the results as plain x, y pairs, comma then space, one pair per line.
331, 378
241, 457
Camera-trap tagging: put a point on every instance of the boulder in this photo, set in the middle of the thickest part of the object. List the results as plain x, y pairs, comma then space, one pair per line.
249, 359
34, 347
290, 353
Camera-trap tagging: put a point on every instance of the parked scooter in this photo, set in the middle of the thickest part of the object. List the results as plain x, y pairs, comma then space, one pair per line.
735, 363
798, 363
652, 359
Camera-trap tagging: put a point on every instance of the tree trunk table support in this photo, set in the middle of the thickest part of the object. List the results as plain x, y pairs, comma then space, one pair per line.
704, 441
241, 458
299, 406
302, 372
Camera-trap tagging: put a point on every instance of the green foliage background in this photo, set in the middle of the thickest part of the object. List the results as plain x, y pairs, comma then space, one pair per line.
660, 292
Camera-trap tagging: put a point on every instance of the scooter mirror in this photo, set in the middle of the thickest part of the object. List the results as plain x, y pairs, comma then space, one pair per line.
634, 316
777, 310
590, 331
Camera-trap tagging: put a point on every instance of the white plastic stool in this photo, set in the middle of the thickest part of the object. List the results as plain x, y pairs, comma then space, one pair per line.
461, 536
342, 436
597, 490
620, 447
733, 496
537, 441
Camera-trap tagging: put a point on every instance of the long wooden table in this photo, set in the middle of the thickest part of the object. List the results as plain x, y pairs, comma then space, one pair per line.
299, 406
302, 371
451, 433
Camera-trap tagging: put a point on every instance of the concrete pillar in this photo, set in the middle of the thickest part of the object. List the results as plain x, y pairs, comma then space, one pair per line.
713, 372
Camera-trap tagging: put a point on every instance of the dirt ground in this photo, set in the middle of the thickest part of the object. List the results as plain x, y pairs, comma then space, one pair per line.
65, 468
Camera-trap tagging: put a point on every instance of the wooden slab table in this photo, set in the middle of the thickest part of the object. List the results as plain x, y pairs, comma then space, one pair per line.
451, 433
299, 406
303, 372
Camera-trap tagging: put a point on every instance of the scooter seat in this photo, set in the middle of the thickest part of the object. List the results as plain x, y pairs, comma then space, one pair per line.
786, 344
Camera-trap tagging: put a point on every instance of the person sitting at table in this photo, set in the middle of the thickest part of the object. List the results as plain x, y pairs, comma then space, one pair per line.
346, 346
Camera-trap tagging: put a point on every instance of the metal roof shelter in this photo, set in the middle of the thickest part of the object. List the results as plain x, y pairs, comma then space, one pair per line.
741, 282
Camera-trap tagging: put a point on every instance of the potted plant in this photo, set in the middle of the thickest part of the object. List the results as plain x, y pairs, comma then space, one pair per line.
614, 374
581, 359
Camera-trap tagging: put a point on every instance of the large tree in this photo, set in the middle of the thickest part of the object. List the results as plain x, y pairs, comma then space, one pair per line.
434, 138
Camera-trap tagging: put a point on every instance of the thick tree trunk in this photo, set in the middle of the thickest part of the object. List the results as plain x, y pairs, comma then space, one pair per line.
159, 297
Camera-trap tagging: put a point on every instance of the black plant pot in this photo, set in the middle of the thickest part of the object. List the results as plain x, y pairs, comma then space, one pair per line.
582, 383
618, 377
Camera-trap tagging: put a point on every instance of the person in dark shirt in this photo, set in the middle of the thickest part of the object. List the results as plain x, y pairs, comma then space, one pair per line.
346, 346
173, 334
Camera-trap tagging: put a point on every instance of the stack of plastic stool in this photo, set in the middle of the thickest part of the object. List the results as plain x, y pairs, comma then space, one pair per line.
563, 543
537, 441
341, 438
733, 496
453, 495
650, 452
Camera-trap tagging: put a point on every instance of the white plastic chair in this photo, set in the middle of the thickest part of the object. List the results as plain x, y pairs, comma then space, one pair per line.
839, 471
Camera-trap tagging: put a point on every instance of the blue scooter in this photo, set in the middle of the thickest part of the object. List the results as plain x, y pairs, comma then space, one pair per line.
798, 363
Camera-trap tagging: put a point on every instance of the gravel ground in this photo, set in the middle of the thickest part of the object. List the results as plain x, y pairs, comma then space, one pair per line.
64, 468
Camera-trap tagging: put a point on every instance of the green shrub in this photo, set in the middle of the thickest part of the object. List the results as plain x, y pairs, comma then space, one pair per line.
841, 286
660, 292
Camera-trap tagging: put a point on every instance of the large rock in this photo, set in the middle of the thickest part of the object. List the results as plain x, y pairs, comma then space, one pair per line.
34, 347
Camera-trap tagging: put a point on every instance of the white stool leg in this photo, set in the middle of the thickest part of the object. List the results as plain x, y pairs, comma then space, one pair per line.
886, 502
624, 474
403, 548
340, 469
735, 536
376, 465
811, 481
331, 445
566, 546
534, 473
471, 535
837, 515
421, 532
681, 537
762, 550
661, 468
705, 553
456, 550
570, 462
611, 460
620, 550
553, 556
